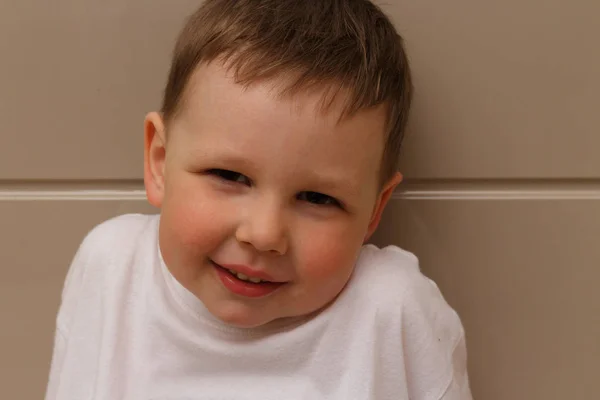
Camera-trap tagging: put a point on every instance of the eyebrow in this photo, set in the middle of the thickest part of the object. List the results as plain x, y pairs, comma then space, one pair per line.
335, 183
236, 160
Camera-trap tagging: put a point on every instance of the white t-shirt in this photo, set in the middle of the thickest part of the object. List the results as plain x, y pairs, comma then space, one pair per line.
126, 329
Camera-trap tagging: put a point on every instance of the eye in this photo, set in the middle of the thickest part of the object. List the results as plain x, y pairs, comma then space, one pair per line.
318, 199
230, 176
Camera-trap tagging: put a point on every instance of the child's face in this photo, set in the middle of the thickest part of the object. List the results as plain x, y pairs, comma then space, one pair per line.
269, 187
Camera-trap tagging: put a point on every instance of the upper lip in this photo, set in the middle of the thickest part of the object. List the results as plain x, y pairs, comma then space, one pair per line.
248, 271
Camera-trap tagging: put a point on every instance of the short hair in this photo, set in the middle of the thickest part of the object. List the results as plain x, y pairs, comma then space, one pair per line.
348, 45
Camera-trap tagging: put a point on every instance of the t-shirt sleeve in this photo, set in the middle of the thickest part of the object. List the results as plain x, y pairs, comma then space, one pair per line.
433, 341
72, 289
58, 356
74, 281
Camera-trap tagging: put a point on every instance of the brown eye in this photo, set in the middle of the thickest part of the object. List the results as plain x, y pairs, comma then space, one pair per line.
318, 199
230, 176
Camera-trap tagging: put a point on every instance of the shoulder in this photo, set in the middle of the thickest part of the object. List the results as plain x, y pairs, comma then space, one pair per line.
102, 255
113, 241
419, 328
120, 231
390, 280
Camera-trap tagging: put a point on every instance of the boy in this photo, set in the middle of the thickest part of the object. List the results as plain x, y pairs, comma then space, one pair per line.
271, 161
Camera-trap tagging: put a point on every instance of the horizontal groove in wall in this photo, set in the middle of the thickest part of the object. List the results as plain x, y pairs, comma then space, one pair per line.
499, 189
73, 195
496, 182
442, 190
54, 185
497, 195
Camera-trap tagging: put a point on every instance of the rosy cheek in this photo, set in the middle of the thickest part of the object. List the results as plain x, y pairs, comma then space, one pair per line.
194, 222
329, 256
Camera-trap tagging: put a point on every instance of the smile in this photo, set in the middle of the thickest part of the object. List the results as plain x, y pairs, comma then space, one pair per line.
246, 278
244, 285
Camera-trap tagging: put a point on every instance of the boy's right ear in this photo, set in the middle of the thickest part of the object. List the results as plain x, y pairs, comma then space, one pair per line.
154, 158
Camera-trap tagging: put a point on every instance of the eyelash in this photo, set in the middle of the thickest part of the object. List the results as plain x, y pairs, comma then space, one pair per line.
233, 177
230, 176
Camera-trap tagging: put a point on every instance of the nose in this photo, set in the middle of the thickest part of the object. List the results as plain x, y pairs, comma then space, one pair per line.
263, 226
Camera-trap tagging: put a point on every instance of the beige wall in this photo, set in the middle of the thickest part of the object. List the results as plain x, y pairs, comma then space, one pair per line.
502, 201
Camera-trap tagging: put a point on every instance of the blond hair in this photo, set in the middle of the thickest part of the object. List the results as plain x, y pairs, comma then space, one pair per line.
347, 45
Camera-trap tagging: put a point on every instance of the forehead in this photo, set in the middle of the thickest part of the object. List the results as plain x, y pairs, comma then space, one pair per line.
258, 122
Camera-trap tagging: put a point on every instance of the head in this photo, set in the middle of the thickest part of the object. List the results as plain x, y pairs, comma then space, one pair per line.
275, 151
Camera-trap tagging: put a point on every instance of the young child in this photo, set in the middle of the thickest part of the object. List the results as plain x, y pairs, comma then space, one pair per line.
271, 161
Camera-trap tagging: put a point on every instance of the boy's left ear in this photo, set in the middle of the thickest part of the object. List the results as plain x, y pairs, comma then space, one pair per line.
382, 200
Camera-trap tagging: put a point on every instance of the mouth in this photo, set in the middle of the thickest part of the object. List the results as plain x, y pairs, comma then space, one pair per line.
244, 285
245, 278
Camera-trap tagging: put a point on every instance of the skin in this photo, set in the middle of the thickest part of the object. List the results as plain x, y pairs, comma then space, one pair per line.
246, 177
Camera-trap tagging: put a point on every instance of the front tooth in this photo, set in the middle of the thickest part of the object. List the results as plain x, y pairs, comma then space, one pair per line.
242, 276
255, 280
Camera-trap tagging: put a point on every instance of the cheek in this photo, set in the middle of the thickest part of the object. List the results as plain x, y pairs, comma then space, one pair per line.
190, 222
330, 255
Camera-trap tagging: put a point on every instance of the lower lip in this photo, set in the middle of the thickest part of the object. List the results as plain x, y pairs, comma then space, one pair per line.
243, 288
